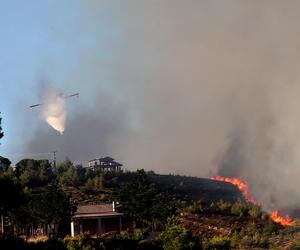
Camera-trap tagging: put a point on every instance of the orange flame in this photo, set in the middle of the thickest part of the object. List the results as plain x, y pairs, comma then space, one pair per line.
244, 188
283, 220
241, 185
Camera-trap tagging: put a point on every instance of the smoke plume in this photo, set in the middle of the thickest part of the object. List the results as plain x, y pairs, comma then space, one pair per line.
53, 109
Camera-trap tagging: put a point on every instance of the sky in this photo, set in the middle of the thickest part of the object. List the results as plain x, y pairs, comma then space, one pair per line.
38, 47
186, 87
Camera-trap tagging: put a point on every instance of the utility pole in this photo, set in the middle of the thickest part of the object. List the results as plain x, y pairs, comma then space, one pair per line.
54, 160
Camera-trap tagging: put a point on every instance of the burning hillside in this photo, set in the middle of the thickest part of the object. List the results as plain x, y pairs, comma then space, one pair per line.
241, 185
244, 188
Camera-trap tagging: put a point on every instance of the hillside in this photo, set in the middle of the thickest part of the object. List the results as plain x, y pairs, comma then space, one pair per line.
181, 187
197, 188
161, 208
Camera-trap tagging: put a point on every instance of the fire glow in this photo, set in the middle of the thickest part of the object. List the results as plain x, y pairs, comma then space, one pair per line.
286, 221
244, 188
241, 185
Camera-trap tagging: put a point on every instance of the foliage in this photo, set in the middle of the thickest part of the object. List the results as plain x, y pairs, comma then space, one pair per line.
34, 173
141, 201
11, 194
137, 234
136, 198
69, 175
223, 207
235, 239
4, 164
95, 184
175, 237
239, 208
196, 207
255, 211
21, 216
81, 242
51, 206
253, 237
218, 242
164, 206
124, 240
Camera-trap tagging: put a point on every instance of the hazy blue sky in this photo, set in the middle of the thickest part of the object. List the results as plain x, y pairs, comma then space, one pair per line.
42, 41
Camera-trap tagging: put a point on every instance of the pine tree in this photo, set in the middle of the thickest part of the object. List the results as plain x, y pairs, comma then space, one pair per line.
137, 197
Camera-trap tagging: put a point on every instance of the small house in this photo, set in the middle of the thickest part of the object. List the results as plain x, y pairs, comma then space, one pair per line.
96, 219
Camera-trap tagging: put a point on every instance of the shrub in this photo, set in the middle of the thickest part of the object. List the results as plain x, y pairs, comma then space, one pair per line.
80, 242
239, 208
253, 237
195, 208
137, 235
255, 211
219, 242
175, 237
259, 240
224, 207
235, 239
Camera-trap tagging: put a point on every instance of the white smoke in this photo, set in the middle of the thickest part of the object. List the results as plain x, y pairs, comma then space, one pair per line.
54, 110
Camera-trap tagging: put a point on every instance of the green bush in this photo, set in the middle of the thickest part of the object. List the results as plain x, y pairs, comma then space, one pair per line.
239, 208
235, 239
219, 242
137, 235
260, 240
224, 207
175, 237
252, 237
81, 242
195, 208
255, 211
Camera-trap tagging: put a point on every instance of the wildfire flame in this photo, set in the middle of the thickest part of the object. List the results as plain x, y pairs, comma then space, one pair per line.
244, 188
283, 220
241, 185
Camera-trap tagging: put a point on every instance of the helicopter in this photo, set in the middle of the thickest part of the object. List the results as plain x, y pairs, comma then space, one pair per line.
65, 97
